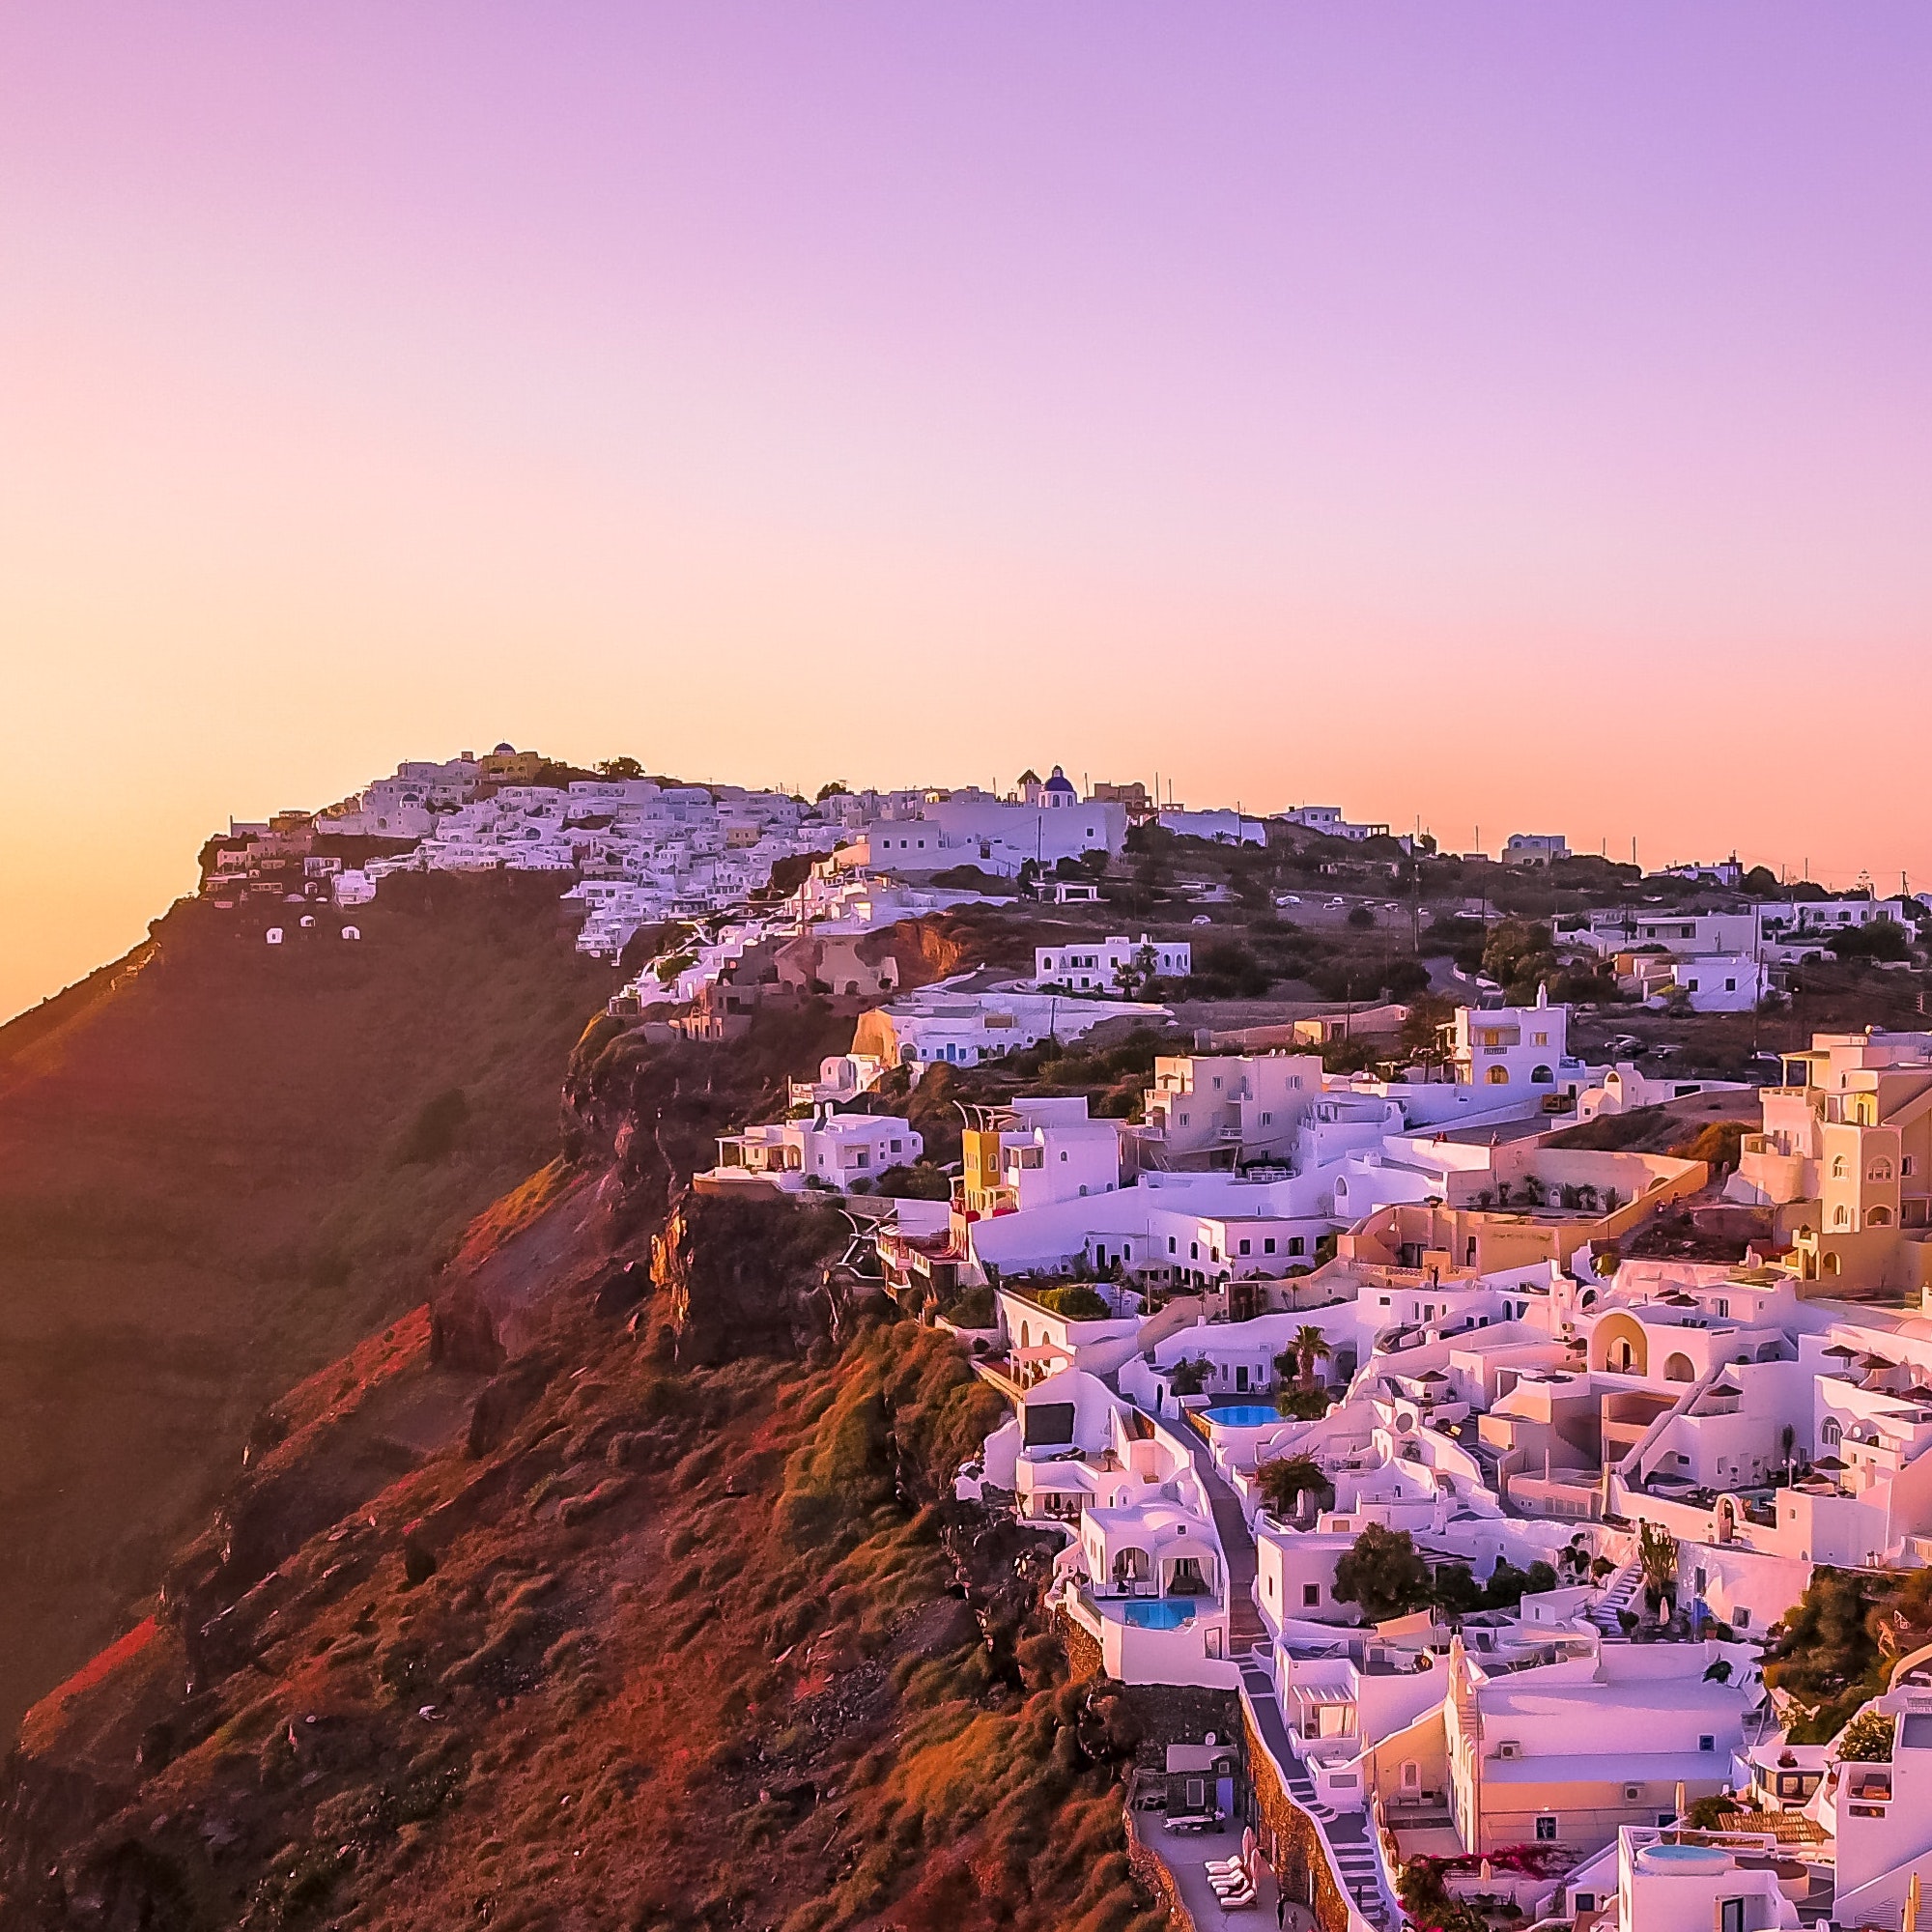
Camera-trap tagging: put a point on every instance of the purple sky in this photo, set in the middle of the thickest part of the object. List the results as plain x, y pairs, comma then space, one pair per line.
1502, 415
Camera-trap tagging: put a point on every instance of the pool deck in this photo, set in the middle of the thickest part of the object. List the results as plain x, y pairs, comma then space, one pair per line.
1187, 1853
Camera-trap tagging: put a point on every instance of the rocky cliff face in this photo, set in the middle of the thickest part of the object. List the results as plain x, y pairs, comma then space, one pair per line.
621, 1586
218, 1173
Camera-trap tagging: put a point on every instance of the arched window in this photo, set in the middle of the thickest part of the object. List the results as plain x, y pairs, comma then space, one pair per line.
1621, 1357
1678, 1369
1838, 1167
1498, 1076
1833, 1265
1832, 1432
1879, 1170
1542, 1076
1841, 1216
1023, 1335
1587, 1300
1878, 1217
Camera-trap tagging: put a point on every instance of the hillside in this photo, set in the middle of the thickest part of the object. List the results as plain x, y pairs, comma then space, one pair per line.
221, 1164
620, 1586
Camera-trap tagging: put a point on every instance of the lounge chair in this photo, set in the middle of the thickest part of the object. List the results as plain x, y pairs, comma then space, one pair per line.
1239, 1901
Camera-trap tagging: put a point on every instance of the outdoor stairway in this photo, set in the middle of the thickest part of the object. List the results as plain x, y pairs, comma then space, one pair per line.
1246, 1633
1347, 1832
1619, 1593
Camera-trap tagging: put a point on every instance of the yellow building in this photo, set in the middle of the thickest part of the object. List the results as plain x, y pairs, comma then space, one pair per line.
1845, 1157
506, 765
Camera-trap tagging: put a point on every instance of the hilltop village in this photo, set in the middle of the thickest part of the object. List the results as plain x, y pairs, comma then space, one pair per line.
1463, 1320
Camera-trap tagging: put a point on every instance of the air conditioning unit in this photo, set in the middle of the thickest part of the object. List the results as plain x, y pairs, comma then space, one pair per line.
1509, 1747
1632, 1793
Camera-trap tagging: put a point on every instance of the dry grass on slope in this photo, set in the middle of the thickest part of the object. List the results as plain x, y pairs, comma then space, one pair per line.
687, 1650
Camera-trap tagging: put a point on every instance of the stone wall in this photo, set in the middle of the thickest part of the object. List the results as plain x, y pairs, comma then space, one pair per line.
1083, 1651
1156, 1878
1292, 1843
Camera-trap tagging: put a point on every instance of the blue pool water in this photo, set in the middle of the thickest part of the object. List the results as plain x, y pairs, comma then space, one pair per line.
1244, 1415
1157, 1613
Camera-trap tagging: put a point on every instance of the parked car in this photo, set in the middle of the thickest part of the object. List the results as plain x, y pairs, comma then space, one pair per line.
1334, 902
1286, 899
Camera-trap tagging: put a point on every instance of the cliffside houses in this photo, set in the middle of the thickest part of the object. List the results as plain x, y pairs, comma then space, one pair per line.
829, 1151
916, 834
1110, 965
1474, 1372
1844, 1158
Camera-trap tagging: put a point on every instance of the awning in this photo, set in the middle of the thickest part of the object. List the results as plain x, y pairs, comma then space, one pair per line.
1314, 1694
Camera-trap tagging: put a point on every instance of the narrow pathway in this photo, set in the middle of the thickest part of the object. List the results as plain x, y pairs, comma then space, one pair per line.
1347, 1831
1246, 1631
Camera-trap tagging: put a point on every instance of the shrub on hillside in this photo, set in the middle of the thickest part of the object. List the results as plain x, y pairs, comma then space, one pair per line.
1075, 1303
436, 1128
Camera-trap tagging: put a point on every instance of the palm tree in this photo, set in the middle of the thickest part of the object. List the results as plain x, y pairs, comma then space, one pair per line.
1312, 1346
1656, 1559
1285, 1481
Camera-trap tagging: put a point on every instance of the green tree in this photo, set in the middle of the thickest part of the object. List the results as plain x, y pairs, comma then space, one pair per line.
620, 768
1867, 1738
1286, 1480
1456, 1591
1517, 953
1187, 1378
1382, 1574
1421, 1036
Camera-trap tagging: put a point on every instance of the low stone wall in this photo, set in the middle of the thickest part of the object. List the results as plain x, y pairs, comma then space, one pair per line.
1156, 1879
1292, 1843
1083, 1650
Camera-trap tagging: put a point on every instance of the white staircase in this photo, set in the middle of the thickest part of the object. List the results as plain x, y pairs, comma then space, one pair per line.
1619, 1594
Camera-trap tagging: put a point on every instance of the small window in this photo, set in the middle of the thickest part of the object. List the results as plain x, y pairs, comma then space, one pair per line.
1295, 1245
1311, 1595
1546, 1830
1707, 1743
1267, 1245
1244, 1247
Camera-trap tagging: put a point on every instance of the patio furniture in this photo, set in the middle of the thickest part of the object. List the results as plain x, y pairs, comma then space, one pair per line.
1196, 1821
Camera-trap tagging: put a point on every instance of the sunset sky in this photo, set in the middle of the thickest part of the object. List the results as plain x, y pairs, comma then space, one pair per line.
1503, 414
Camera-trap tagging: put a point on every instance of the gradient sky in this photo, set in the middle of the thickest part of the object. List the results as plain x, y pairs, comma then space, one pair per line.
1503, 414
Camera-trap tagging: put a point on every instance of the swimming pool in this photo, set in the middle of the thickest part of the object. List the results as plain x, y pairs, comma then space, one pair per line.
1244, 1415
1157, 1613
1684, 1858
